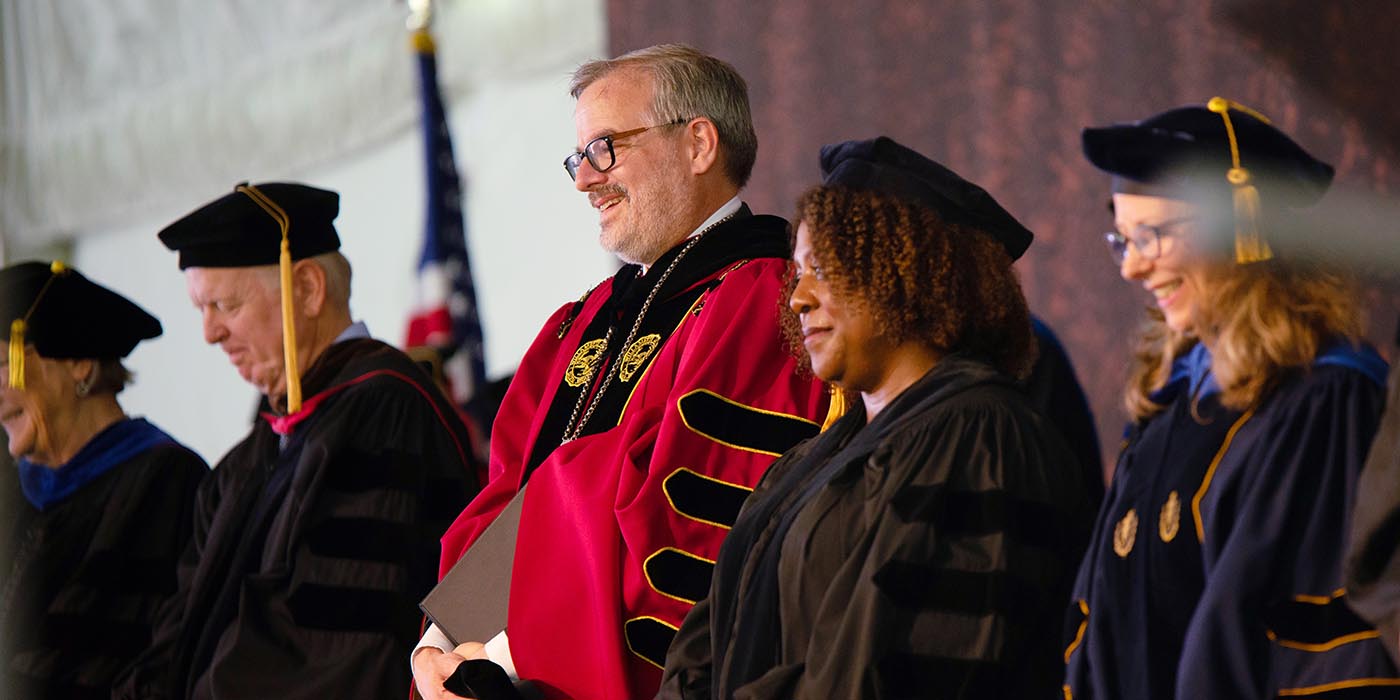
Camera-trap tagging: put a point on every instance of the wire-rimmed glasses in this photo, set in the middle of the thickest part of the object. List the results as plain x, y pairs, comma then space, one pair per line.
1146, 238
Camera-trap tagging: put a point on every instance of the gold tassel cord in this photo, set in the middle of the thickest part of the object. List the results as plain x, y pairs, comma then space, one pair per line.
284, 269
20, 326
1250, 246
17, 354
836, 409
289, 331
1219, 104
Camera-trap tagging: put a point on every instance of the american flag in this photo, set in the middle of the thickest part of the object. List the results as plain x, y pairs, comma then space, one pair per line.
445, 319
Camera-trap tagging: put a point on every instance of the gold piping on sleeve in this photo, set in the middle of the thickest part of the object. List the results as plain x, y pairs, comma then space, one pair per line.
1320, 599
628, 639
1210, 474
744, 406
1328, 645
667, 493
657, 553
1339, 685
1078, 636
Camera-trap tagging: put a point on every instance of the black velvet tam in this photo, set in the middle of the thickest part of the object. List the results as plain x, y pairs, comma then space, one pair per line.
235, 231
74, 317
1189, 146
883, 166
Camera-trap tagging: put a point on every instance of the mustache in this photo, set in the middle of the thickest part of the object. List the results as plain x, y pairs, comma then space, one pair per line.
605, 191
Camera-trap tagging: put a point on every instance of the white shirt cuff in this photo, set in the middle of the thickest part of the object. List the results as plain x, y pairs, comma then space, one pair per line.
498, 650
433, 638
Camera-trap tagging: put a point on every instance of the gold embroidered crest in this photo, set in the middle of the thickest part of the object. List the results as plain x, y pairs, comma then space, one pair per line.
584, 362
636, 355
1125, 533
1169, 520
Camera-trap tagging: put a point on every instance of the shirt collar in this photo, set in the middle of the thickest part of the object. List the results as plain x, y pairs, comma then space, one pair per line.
726, 209
355, 331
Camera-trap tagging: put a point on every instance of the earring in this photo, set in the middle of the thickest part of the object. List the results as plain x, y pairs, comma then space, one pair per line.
83, 387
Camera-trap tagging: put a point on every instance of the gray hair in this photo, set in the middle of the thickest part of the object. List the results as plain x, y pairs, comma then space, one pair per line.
337, 269
687, 83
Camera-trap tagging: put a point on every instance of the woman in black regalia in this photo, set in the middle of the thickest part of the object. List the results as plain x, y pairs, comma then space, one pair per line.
1215, 569
923, 544
89, 553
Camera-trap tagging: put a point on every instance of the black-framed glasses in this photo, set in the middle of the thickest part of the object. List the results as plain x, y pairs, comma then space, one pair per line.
599, 151
1146, 238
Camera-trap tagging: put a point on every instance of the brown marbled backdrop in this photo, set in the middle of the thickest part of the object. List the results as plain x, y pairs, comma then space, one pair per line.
999, 89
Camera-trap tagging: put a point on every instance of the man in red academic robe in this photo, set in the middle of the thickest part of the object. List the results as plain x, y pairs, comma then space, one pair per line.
644, 412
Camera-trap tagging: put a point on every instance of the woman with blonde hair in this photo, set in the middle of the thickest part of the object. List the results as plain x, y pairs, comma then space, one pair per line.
1215, 569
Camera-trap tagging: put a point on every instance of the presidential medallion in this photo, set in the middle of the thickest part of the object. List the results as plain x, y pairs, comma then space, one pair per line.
584, 362
1125, 533
1169, 520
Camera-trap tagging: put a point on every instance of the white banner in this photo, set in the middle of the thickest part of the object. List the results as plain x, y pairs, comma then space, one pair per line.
114, 107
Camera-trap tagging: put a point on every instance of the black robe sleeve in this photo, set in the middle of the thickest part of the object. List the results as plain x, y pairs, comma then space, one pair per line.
1272, 619
91, 572
928, 559
312, 558
689, 669
151, 674
690, 658
951, 585
1055, 391
1374, 563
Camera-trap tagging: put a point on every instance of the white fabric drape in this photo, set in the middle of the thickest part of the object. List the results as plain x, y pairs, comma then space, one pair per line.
114, 107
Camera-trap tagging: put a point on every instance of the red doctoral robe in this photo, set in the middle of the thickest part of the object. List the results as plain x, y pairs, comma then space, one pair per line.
620, 527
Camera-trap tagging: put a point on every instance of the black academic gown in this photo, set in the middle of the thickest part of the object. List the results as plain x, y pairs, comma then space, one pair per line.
1373, 574
1215, 569
1055, 390
83, 578
312, 550
922, 555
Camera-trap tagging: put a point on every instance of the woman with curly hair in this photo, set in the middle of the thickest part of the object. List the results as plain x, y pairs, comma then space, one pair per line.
922, 545
1214, 570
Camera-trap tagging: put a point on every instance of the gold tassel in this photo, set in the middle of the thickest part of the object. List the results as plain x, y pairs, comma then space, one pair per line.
19, 326
17, 354
836, 409
289, 330
1250, 246
284, 269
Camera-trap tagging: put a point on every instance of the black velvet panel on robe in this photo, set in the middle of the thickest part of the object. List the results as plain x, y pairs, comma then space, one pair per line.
920, 555
310, 557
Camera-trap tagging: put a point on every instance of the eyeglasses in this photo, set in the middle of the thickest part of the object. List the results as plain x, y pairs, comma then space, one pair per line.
599, 151
1147, 239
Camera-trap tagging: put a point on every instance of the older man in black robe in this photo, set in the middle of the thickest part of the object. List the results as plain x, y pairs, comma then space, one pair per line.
318, 533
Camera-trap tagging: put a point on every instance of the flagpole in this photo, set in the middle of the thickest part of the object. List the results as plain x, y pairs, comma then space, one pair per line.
446, 318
